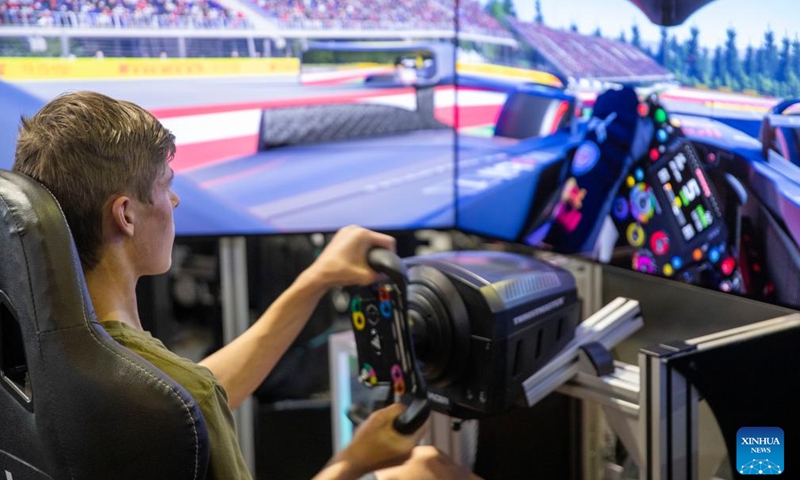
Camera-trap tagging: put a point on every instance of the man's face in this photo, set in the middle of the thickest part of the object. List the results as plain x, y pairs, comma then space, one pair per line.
155, 231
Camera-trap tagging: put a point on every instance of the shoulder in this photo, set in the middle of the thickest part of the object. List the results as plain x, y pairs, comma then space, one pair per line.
196, 379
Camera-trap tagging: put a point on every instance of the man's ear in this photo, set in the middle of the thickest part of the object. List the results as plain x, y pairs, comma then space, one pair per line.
122, 215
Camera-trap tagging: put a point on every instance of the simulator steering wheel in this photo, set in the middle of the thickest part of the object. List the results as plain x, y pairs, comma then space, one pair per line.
379, 315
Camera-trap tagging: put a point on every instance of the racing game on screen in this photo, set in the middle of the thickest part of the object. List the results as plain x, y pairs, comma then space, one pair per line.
289, 116
580, 127
669, 151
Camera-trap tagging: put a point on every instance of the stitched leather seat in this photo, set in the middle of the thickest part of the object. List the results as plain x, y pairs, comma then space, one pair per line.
73, 403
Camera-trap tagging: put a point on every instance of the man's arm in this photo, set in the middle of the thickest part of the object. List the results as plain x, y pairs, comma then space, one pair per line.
244, 363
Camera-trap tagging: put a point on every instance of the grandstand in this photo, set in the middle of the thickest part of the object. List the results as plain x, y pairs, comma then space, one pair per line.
287, 15
575, 56
272, 21
358, 14
147, 14
394, 15
268, 28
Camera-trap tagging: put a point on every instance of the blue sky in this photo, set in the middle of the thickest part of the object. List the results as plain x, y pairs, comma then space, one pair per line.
750, 18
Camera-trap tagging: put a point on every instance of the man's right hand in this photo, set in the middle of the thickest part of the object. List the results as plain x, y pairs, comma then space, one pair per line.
343, 262
375, 445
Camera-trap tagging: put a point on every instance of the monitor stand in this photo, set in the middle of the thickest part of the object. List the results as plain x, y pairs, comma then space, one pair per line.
743, 374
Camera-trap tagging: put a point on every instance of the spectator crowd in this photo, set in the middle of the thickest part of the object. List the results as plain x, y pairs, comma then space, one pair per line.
286, 14
382, 14
120, 14
582, 56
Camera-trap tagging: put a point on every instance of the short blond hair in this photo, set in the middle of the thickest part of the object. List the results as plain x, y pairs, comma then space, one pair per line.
87, 147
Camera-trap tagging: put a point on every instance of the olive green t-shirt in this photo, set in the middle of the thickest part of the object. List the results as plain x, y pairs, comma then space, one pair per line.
225, 456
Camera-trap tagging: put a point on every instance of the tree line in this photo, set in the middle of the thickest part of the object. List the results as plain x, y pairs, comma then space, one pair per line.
771, 68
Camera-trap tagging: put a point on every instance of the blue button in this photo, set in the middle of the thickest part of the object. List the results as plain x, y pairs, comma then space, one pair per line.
621, 208
639, 174
677, 263
386, 309
713, 255
662, 135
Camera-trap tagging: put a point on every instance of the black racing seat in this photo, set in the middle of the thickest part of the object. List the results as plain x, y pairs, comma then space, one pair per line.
74, 404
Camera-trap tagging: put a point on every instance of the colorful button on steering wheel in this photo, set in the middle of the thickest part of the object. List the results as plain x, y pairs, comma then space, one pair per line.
621, 208
357, 316
643, 262
659, 242
398, 382
642, 203
635, 235
368, 374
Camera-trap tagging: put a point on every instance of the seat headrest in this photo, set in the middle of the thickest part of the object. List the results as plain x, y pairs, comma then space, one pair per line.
36, 246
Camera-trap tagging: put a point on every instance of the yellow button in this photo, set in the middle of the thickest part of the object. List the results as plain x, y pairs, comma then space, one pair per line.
635, 234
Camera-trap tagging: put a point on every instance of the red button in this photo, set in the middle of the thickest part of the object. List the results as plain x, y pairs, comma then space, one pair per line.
728, 265
659, 242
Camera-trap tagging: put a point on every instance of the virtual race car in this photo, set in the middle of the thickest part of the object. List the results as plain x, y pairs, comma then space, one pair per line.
680, 195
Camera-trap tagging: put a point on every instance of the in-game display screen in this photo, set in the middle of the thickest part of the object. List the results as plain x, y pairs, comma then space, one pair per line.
668, 150
289, 116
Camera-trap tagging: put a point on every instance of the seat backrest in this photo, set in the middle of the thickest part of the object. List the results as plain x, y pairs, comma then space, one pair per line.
74, 404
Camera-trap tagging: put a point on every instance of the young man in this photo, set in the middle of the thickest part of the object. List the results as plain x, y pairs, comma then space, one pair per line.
107, 163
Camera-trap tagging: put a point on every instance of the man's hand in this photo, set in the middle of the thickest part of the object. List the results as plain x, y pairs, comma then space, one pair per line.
344, 261
243, 364
375, 445
427, 463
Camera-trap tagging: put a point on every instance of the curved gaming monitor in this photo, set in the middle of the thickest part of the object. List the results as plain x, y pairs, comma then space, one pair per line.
673, 152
